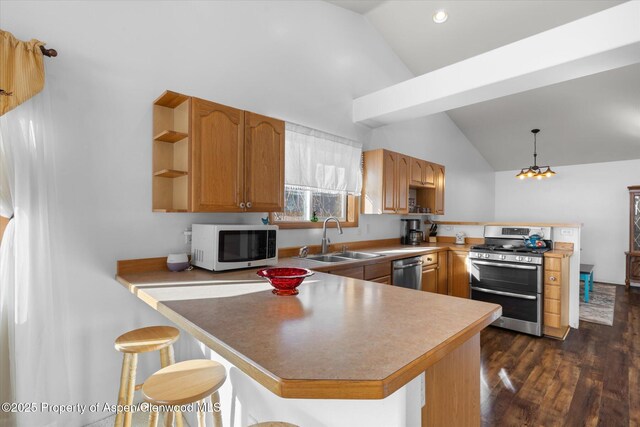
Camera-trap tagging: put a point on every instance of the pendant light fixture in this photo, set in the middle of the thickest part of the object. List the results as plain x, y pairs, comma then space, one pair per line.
535, 171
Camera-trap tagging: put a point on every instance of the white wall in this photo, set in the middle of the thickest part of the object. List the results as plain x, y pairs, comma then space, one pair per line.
595, 195
301, 61
469, 178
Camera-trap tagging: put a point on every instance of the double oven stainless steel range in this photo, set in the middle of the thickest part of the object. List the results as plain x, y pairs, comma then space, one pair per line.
505, 271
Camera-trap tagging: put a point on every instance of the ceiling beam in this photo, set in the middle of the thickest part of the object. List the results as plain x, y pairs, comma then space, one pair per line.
600, 42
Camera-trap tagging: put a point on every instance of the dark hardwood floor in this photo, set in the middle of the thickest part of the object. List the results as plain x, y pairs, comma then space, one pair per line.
591, 379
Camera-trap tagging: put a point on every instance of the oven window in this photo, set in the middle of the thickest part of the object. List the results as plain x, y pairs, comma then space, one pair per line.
503, 277
514, 308
242, 245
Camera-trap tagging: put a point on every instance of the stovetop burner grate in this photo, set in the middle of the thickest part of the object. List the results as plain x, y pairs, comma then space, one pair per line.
514, 250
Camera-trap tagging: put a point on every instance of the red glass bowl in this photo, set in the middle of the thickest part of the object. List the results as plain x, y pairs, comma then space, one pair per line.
285, 280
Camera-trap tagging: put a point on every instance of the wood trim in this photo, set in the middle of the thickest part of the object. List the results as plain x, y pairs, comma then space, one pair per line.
141, 265
563, 246
468, 240
536, 224
353, 208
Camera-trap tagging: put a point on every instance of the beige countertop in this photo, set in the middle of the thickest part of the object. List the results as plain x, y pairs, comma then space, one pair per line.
339, 338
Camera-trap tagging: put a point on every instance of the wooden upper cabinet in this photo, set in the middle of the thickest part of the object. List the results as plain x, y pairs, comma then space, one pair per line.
402, 183
209, 157
387, 176
389, 173
429, 174
422, 173
439, 190
263, 163
217, 157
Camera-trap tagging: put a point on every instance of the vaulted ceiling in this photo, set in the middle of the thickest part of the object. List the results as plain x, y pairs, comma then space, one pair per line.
591, 119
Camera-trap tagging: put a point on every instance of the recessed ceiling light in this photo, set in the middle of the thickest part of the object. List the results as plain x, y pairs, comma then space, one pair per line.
440, 16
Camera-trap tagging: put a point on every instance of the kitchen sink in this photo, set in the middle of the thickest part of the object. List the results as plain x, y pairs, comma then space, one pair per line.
343, 256
357, 255
328, 258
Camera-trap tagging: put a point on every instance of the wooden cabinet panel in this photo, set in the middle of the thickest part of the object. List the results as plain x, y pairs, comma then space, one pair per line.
552, 320
373, 271
430, 279
458, 274
552, 264
443, 280
439, 190
389, 167
552, 306
552, 292
552, 278
429, 174
264, 163
417, 172
402, 184
217, 157
384, 279
429, 259
353, 272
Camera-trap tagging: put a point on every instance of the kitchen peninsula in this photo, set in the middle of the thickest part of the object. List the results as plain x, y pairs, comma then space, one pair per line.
343, 352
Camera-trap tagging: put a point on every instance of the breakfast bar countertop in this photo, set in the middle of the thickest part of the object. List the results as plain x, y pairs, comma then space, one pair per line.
340, 338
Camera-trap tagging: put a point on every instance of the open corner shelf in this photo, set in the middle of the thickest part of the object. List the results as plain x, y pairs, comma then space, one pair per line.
170, 136
169, 173
170, 99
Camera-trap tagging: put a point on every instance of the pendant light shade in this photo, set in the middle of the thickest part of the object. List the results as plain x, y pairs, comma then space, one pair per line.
535, 171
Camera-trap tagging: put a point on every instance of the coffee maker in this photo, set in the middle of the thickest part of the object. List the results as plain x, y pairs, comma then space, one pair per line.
411, 234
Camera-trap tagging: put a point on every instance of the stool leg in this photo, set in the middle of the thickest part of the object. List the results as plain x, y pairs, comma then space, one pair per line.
126, 386
202, 422
131, 385
153, 418
167, 358
217, 415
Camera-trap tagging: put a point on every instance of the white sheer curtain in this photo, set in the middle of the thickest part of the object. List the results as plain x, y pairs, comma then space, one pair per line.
33, 359
317, 160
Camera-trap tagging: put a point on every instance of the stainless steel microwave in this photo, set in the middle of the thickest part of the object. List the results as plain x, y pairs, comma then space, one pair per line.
221, 247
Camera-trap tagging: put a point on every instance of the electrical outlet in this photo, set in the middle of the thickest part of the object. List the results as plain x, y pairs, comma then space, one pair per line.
187, 236
567, 232
448, 228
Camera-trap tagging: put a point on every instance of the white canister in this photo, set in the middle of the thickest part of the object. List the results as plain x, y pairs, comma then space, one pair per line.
177, 262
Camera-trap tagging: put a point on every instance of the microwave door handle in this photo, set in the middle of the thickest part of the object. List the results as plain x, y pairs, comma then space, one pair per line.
497, 264
506, 294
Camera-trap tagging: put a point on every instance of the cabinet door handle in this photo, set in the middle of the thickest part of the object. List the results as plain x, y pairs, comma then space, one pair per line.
552, 278
249, 205
242, 205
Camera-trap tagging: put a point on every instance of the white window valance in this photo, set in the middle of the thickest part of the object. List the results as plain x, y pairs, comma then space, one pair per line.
320, 161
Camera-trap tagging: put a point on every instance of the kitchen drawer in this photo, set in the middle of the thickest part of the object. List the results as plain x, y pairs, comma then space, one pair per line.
353, 272
385, 279
377, 270
554, 264
553, 278
552, 292
552, 320
551, 306
429, 259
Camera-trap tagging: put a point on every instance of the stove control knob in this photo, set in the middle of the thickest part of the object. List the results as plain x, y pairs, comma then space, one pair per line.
529, 259
503, 257
519, 258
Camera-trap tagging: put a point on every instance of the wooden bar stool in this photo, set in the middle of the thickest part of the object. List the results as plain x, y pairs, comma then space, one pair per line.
187, 383
132, 343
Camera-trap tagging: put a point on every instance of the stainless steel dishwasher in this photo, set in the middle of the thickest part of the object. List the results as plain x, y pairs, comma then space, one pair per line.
408, 273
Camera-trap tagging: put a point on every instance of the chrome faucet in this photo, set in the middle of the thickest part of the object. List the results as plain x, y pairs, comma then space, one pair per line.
325, 241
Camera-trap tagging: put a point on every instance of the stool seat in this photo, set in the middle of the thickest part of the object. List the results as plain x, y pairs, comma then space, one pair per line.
184, 382
147, 339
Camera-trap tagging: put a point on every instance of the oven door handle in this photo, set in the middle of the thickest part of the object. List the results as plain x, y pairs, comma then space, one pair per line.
497, 264
506, 294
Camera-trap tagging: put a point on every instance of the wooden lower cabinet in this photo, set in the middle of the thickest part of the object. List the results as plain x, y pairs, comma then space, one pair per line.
434, 273
458, 274
353, 272
556, 295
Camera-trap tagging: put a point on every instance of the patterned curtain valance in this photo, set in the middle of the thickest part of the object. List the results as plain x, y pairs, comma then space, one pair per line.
21, 71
